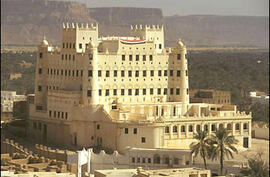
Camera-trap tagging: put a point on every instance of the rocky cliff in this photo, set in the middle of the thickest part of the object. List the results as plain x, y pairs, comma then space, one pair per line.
24, 22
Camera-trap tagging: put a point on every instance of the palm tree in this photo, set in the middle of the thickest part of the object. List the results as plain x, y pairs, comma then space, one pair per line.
256, 167
221, 144
201, 146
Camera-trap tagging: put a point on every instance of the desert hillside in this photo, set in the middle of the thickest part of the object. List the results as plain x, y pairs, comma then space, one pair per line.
24, 22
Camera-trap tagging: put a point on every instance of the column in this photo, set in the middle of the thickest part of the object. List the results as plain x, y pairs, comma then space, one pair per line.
233, 128
241, 128
209, 128
178, 131
186, 130
150, 111
171, 131
249, 128
94, 83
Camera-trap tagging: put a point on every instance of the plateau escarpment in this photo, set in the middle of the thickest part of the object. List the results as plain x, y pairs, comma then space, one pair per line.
24, 22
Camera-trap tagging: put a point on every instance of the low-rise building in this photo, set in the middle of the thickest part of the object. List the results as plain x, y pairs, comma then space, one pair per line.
259, 97
210, 96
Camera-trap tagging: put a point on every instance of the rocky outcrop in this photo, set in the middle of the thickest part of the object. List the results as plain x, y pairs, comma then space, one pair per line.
24, 22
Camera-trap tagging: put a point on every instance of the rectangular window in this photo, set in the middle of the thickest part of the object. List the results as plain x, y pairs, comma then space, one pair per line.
137, 92
135, 130
63, 45
58, 114
68, 72
171, 91
151, 57
89, 93
54, 114
114, 92
77, 73
178, 73
107, 93
133, 159
159, 72
149, 160
144, 73
137, 57
129, 91
186, 73
151, 91
99, 73
165, 73
187, 91
177, 91
129, 73
81, 72
122, 91
40, 55
126, 130
38, 107
98, 126
178, 56
39, 88
100, 92
160, 46
62, 115
144, 57
143, 139
152, 73
40, 70
171, 72
165, 91
138, 160
107, 73
137, 74
80, 45
115, 73
144, 91
122, 73
123, 57
130, 57
159, 91
50, 113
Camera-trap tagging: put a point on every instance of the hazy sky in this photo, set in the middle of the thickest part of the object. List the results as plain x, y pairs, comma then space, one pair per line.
191, 7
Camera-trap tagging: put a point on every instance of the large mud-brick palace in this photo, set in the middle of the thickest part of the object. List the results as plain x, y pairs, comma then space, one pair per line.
119, 92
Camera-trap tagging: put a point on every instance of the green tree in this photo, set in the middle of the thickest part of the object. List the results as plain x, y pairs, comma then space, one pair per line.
221, 145
201, 147
256, 167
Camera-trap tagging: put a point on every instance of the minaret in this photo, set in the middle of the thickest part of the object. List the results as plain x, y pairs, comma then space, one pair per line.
94, 83
184, 90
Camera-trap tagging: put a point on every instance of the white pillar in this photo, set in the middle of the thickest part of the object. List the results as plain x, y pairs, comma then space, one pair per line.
89, 151
79, 169
94, 83
241, 128
233, 128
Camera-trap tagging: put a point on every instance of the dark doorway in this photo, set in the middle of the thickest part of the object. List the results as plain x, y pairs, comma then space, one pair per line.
245, 143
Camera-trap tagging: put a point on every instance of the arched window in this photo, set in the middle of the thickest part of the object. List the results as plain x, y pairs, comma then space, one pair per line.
190, 128
167, 129
220, 126
166, 159
175, 129
237, 127
183, 128
206, 127
213, 127
229, 126
198, 128
156, 159
245, 126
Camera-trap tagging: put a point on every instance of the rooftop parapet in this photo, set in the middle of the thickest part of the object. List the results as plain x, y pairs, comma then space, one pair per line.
146, 27
91, 26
